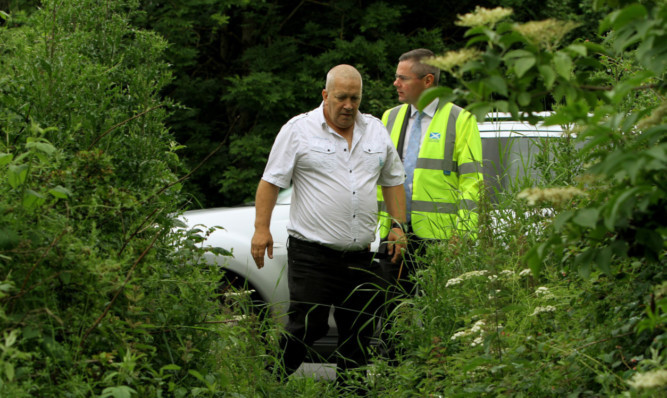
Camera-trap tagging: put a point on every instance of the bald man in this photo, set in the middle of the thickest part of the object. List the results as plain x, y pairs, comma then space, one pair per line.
335, 157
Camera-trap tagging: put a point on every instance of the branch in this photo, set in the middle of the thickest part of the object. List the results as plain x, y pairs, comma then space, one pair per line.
185, 177
113, 300
48, 249
136, 231
115, 126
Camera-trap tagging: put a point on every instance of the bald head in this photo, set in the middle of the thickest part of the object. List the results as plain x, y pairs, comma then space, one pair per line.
342, 71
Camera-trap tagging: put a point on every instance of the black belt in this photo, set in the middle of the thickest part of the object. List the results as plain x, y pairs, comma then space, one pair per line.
297, 243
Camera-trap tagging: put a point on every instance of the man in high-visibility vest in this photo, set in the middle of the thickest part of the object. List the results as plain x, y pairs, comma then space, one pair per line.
442, 153
441, 150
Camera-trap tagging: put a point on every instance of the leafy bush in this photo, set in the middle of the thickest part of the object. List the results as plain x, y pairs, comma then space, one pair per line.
100, 292
564, 295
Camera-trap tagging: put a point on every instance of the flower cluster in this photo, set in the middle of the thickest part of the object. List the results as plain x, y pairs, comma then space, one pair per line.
652, 379
544, 292
466, 276
452, 59
484, 17
539, 310
506, 273
476, 329
525, 272
545, 34
557, 196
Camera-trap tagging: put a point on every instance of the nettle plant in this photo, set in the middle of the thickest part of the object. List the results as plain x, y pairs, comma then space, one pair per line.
561, 299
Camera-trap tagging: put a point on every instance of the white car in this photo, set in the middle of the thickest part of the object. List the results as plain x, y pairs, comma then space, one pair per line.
507, 147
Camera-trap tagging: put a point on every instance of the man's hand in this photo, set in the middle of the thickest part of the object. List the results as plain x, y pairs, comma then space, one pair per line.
261, 241
397, 243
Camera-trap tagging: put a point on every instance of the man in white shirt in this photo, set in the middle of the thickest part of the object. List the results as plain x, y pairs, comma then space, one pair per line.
335, 157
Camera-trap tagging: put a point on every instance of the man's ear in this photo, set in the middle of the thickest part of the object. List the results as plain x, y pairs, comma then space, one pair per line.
429, 79
324, 95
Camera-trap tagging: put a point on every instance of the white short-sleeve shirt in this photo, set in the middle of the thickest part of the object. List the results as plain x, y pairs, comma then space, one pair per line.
334, 201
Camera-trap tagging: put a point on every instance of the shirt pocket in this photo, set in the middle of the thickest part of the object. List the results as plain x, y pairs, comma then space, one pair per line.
322, 155
374, 157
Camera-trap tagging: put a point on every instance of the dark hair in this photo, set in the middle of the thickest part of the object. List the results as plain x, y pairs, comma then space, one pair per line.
418, 68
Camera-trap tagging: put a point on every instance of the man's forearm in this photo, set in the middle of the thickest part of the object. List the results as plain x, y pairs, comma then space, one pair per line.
265, 201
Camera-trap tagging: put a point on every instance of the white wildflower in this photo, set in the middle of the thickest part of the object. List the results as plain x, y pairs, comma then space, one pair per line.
506, 272
453, 282
557, 196
464, 277
477, 327
478, 341
493, 278
542, 290
539, 310
652, 379
462, 333
525, 272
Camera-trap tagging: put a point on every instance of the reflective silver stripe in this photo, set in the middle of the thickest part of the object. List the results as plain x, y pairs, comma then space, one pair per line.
429, 164
435, 164
471, 167
434, 207
450, 137
468, 204
393, 114
443, 208
382, 206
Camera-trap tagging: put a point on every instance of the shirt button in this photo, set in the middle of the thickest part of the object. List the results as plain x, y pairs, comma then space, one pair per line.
350, 171
354, 216
345, 150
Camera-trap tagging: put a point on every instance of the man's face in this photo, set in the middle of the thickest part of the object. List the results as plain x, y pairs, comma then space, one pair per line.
408, 85
342, 102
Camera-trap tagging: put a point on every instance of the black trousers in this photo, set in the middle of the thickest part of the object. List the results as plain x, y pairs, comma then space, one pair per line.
319, 277
398, 286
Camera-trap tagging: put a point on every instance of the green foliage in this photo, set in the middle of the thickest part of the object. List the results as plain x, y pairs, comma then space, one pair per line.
101, 294
588, 316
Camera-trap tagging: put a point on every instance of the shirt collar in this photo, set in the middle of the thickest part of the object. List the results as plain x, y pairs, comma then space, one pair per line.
429, 110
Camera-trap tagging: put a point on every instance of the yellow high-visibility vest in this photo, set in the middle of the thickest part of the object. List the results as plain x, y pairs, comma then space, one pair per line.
448, 175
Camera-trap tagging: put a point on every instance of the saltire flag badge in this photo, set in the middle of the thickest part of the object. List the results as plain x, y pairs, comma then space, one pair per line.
434, 136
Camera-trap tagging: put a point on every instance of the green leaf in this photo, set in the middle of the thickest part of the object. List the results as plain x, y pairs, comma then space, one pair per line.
523, 65
584, 261
9, 371
587, 218
518, 54
622, 18
32, 199
118, 392
561, 219
5, 158
548, 74
618, 204
497, 84
17, 174
563, 65
60, 192
603, 260
523, 98
445, 94
578, 49
41, 146
8, 238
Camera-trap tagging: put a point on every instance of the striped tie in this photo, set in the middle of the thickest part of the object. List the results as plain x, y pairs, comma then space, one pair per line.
410, 160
